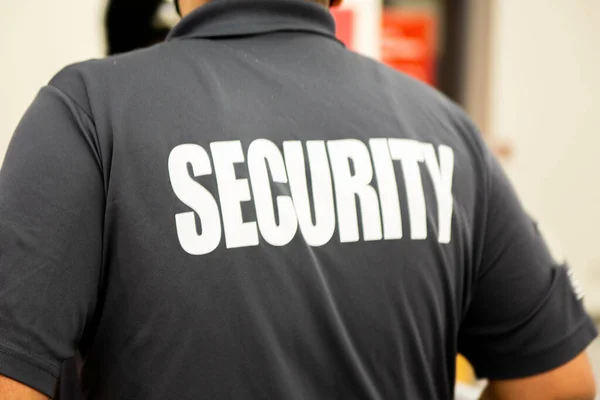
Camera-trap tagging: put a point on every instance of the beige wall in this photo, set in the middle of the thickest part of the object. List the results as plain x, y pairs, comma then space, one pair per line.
37, 39
545, 98
368, 28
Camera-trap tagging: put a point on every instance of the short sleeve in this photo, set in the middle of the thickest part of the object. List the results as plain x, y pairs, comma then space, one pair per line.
525, 316
51, 213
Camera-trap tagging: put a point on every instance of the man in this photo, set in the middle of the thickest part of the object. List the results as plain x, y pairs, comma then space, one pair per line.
250, 211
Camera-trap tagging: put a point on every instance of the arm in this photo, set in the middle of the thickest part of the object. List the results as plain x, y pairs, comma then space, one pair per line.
571, 381
51, 214
525, 329
13, 390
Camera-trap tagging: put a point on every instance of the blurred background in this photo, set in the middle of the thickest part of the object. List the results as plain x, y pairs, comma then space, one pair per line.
527, 71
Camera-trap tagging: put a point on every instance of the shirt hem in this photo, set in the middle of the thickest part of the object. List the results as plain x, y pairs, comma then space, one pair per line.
515, 367
16, 368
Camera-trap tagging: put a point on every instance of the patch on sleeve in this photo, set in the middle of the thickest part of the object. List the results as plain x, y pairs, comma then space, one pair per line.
575, 285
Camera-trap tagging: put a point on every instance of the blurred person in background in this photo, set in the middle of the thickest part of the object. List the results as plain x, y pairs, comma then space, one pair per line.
133, 24
186, 217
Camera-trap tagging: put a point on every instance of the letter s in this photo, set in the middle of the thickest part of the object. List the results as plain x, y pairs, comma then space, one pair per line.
196, 197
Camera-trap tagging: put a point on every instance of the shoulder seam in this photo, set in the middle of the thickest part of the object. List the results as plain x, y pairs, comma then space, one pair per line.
79, 107
96, 146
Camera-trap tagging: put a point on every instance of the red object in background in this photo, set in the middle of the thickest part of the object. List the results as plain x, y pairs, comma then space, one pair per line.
409, 43
344, 21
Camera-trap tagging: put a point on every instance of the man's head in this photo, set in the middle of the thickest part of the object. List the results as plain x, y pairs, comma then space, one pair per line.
184, 7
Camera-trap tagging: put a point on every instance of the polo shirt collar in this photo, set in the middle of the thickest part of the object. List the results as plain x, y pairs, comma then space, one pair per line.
234, 18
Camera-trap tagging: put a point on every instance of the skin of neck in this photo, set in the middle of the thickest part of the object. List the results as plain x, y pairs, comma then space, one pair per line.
187, 6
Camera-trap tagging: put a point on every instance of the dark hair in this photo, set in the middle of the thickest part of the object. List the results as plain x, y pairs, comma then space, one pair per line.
130, 25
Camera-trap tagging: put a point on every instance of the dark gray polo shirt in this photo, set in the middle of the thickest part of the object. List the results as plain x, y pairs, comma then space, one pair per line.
251, 211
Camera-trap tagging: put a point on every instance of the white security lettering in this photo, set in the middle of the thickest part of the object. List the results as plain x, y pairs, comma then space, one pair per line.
196, 197
263, 153
332, 184
348, 185
441, 175
388, 189
410, 153
232, 192
322, 230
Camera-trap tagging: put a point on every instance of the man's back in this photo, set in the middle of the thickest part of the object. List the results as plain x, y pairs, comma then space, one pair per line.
260, 213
